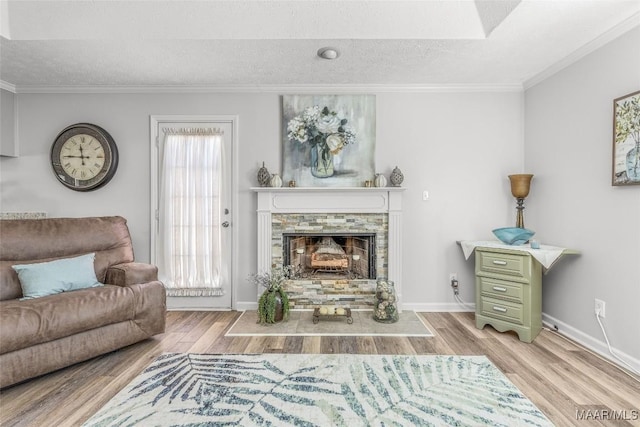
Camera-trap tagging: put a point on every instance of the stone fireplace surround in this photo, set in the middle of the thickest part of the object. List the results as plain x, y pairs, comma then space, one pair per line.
332, 210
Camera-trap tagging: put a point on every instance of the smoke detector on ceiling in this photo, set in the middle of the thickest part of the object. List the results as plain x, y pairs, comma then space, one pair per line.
328, 53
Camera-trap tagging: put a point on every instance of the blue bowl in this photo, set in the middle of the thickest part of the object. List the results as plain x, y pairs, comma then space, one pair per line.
513, 235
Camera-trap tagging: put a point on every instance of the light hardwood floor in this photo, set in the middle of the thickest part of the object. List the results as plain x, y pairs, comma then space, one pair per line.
559, 376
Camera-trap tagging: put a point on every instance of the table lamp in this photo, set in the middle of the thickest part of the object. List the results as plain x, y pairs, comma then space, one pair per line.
520, 184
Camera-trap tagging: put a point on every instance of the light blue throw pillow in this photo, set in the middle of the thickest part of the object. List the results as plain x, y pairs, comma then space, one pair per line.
62, 275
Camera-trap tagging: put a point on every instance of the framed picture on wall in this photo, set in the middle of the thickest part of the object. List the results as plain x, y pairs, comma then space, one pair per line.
626, 140
328, 140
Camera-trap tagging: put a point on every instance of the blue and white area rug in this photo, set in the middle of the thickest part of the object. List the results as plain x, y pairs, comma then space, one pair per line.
319, 390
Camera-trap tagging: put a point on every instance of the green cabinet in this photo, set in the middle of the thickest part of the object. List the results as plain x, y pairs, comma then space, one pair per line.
509, 291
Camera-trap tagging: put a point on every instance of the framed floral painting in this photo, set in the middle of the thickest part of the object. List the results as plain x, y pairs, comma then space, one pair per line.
328, 140
626, 140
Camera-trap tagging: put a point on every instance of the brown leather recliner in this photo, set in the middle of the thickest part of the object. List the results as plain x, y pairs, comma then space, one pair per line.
41, 335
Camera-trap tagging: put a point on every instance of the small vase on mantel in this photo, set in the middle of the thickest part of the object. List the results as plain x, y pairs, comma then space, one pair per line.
276, 181
380, 180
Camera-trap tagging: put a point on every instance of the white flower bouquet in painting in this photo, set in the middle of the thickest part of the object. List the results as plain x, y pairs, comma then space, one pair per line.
325, 132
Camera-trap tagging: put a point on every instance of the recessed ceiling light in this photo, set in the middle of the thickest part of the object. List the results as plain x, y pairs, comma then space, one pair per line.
328, 53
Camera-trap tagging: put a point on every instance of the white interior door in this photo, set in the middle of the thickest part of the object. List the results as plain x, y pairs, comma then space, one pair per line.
225, 232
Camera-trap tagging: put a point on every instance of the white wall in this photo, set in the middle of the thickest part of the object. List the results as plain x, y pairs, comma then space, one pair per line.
8, 118
458, 146
568, 146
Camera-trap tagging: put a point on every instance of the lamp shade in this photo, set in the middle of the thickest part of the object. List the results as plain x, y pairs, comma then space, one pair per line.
520, 185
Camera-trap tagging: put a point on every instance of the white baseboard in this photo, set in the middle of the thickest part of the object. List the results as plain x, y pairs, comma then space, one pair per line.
434, 307
194, 304
246, 305
597, 346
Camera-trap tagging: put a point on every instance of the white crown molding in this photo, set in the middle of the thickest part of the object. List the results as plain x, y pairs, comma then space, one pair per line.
7, 86
612, 34
280, 89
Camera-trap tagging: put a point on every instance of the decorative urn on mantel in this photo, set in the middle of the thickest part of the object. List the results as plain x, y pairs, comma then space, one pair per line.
396, 177
263, 176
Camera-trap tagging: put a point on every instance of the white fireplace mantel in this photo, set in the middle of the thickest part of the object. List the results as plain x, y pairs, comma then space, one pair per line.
386, 200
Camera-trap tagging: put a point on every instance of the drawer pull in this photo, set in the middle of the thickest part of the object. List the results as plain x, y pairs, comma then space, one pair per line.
500, 309
499, 289
499, 262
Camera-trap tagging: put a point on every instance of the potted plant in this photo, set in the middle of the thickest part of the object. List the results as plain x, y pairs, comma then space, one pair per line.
273, 304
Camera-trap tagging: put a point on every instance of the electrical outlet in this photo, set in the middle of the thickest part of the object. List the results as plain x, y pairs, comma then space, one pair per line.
600, 307
453, 281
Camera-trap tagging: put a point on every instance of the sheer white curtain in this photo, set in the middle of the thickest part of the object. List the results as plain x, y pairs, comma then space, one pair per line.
190, 211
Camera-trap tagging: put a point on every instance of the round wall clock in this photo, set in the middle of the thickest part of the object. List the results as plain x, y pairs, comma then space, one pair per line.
84, 157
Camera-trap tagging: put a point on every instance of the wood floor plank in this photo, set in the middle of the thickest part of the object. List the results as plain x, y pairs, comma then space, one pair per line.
467, 321
220, 345
188, 321
393, 345
311, 345
275, 344
330, 345
622, 385
348, 345
366, 345
256, 345
423, 345
499, 354
594, 391
547, 403
559, 376
205, 340
293, 345
193, 331
546, 392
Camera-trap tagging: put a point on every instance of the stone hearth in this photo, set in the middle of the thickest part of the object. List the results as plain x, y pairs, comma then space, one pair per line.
332, 212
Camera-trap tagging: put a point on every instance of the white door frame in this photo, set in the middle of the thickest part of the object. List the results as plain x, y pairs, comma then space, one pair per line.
154, 140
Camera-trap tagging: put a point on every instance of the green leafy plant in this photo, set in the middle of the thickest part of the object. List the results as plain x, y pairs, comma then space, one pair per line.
268, 302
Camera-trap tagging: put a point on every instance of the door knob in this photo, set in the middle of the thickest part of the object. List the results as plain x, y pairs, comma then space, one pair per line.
225, 224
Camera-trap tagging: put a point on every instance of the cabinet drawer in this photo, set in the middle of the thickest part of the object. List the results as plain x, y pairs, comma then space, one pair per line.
512, 265
497, 288
502, 310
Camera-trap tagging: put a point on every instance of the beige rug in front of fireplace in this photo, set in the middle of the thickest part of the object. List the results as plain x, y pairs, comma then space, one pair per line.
300, 323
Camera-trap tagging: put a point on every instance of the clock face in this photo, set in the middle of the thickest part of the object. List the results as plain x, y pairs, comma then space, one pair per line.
84, 157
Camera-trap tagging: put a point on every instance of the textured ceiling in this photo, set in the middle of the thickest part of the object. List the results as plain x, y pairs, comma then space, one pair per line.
215, 43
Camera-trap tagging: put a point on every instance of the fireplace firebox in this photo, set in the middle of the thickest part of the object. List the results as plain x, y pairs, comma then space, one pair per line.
339, 212
330, 255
